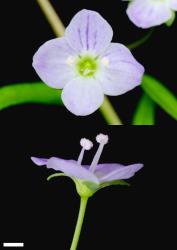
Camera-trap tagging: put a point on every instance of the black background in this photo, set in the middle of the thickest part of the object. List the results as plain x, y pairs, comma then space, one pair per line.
43, 214
24, 28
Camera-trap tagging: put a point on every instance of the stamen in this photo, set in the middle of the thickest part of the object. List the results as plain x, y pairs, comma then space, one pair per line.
102, 139
70, 60
105, 61
86, 145
80, 158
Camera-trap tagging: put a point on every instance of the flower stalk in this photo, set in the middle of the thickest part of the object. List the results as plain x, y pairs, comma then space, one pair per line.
83, 205
56, 24
141, 41
109, 113
52, 17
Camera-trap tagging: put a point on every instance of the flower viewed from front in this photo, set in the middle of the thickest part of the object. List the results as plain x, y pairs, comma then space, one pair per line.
90, 178
86, 65
149, 13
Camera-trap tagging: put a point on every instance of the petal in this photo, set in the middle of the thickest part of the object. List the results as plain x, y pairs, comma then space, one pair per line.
82, 96
173, 4
148, 13
122, 73
71, 169
106, 168
88, 30
39, 161
110, 172
50, 63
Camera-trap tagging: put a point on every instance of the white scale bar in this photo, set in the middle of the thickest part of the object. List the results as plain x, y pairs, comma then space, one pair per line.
17, 244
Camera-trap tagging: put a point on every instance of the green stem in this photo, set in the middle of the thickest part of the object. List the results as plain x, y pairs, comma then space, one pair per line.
141, 41
52, 17
83, 205
109, 113
107, 109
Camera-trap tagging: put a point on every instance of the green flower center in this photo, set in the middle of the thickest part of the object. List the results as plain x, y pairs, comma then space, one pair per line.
87, 66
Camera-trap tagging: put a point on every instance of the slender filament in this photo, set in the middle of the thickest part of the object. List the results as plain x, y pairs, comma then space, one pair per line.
96, 157
80, 158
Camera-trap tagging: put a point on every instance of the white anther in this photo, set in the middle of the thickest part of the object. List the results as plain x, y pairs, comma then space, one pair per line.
86, 144
105, 61
70, 60
101, 138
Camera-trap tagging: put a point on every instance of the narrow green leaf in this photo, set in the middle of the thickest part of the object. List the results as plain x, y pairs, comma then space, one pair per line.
22, 93
160, 95
145, 112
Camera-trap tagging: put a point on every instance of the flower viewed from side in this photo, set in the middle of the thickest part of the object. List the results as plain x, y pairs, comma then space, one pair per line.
149, 13
90, 178
86, 65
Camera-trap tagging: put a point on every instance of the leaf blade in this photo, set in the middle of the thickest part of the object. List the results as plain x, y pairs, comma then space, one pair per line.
22, 93
160, 95
145, 112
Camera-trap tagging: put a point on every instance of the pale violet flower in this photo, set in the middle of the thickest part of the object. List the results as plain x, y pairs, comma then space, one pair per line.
86, 65
149, 13
90, 178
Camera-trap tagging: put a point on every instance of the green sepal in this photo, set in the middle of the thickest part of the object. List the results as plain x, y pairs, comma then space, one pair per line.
113, 183
55, 176
172, 19
88, 189
85, 188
